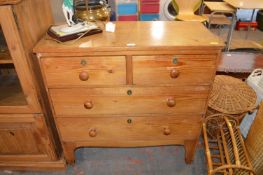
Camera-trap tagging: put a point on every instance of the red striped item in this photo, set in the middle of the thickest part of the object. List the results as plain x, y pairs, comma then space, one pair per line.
128, 18
150, 1
150, 8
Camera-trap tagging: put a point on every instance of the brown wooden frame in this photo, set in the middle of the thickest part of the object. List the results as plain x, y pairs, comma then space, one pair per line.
8, 24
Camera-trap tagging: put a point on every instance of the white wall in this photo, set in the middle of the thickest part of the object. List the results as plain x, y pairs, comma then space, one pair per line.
245, 15
57, 11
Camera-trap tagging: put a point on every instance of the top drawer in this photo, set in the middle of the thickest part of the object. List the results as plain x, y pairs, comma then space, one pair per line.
82, 71
174, 70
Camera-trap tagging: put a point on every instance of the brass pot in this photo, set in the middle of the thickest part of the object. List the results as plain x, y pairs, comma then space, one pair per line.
92, 11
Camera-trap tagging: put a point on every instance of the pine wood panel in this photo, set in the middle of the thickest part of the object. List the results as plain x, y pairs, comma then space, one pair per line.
116, 100
34, 17
26, 139
111, 129
11, 91
5, 58
57, 165
17, 139
11, 33
246, 4
61, 72
140, 36
136, 111
24, 135
7, 2
219, 6
193, 69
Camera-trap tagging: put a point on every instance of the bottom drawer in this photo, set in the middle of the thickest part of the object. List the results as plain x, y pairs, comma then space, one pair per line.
119, 129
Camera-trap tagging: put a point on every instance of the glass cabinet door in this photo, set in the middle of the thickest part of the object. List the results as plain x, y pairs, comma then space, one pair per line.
17, 88
11, 93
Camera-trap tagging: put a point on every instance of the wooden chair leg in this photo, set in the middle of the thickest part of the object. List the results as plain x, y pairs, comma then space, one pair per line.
189, 147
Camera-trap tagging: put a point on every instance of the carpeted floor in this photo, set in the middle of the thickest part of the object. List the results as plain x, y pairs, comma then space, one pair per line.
164, 160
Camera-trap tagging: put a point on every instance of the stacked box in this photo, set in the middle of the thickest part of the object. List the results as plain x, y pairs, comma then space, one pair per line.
149, 10
112, 5
127, 10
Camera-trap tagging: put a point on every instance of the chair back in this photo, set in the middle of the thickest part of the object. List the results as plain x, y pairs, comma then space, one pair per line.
186, 6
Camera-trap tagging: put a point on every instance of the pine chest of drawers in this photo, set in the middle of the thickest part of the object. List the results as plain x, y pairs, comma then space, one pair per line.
147, 84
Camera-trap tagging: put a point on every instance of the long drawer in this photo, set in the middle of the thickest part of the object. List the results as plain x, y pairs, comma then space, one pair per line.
173, 70
179, 128
82, 71
133, 100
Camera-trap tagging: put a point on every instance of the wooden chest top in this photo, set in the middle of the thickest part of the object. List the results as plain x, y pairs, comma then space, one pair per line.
136, 36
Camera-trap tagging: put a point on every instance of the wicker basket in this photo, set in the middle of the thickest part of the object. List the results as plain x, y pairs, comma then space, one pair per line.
231, 96
225, 149
254, 142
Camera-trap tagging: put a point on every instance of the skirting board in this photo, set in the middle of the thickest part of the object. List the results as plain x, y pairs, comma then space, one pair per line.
59, 165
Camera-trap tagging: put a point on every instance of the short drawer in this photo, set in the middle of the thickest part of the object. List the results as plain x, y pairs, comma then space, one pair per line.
176, 70
134, 100
81, 71
157, 128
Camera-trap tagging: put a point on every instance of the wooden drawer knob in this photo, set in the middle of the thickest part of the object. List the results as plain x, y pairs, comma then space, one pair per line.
84, 76
93, 132
171, 102
174, 73
88, 105
166, 131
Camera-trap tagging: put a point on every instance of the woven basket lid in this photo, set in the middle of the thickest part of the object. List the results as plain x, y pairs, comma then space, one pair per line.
231, 96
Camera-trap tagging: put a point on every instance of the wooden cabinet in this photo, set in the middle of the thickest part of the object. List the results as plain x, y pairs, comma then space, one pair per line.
24, 135
27, 134
144, 85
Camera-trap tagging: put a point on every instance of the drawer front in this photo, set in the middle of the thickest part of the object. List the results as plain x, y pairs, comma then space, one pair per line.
158, 128
154, 100
81, 71
174, 70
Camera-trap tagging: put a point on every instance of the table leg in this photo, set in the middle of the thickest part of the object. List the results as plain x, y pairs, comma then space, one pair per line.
189, 148
231, 30
251, 20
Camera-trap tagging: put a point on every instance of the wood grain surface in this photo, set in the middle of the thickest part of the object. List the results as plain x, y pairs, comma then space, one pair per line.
9, 2
100, 70
24, 135
152, 100
111, 129
146, 84
156, 70
156, 35
245, 4
27, 139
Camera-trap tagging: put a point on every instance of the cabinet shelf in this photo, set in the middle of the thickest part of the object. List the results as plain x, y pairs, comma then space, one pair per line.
11, 91
5, 58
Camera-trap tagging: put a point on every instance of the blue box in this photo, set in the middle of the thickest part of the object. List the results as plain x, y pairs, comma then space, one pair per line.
127, 9
149, 17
